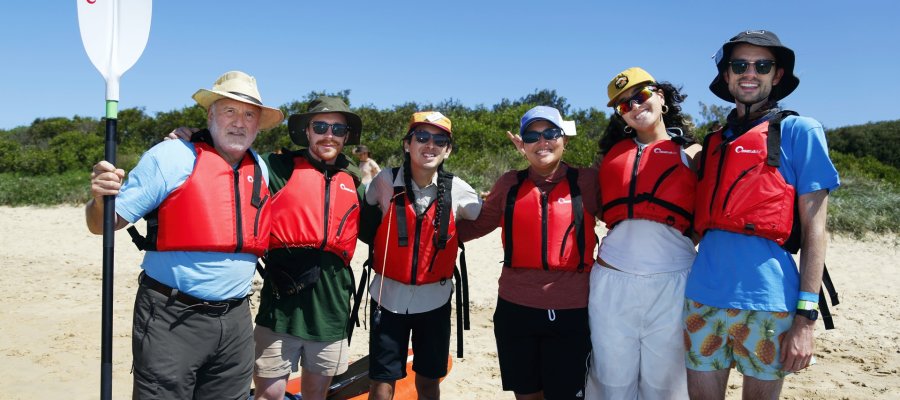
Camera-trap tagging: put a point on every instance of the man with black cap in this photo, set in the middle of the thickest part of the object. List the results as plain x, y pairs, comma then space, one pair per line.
763, 191
208, 221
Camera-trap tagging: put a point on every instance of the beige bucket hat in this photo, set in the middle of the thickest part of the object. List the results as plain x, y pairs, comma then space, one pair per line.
237, 85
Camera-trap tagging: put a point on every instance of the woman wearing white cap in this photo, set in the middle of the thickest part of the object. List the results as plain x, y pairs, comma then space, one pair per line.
647, 192
547, 215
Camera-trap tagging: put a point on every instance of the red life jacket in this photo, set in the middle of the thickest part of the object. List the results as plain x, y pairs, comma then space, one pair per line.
431, 256
650, 183
314, 210
200, 215
740, 189
548, 230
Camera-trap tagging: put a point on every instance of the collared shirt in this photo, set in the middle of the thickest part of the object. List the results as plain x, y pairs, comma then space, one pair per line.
395, 296
206, 275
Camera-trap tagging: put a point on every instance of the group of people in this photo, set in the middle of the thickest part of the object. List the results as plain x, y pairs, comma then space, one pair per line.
642, 313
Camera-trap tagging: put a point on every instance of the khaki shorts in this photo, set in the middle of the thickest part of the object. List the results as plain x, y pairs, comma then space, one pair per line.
279, 354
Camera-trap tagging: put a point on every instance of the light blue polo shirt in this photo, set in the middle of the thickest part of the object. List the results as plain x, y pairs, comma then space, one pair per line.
206, 275
734, 270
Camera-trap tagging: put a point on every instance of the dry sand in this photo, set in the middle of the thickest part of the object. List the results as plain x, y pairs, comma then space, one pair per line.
50, 316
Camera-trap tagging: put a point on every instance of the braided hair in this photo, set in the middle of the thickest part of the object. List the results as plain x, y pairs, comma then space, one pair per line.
443, 178
615, 131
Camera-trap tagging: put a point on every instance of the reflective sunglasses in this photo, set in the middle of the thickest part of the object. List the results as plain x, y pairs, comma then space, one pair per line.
440, 139
624, 106
548, 134
762, 66
338, 130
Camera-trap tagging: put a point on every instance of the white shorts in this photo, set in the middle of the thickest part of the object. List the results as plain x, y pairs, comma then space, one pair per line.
638, 348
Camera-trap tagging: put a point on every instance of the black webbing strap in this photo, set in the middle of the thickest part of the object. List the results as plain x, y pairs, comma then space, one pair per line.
462, 300
773, 138
824, 311
446, 180
400, 211
147, 243
353, 320
577, 213
508, 217
256, 200
703, 154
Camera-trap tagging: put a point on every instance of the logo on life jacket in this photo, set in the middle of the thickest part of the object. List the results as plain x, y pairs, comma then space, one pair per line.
658, 150
346, 189
743, 150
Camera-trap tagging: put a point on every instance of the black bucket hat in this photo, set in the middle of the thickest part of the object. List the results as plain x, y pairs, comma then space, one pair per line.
784, 58
297, 123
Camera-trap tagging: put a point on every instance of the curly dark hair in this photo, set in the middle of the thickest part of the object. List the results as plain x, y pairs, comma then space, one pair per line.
673, 97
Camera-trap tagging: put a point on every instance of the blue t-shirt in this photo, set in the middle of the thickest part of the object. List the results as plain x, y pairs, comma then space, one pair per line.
734, 270
206, 275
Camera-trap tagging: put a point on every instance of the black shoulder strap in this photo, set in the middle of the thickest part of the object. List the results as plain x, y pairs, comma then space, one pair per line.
446, 201
508, 217
577, 213
773, 139
256, 200
703, 153
400, 210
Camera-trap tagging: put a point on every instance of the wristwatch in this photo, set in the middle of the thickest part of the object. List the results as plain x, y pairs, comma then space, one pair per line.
811, 315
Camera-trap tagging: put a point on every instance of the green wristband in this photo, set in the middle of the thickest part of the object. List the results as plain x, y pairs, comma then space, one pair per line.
807, 305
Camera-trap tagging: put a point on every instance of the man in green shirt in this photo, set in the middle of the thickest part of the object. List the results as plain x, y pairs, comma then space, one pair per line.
304, 303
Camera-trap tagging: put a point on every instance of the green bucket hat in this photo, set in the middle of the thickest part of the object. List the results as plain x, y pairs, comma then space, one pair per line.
297, 123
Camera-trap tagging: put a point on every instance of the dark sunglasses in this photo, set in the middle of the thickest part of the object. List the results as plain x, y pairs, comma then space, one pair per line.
548, 134
339, 130
762, 66
624, 106
440, 139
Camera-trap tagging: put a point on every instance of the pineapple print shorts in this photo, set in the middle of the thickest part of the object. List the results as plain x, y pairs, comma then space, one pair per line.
749, 340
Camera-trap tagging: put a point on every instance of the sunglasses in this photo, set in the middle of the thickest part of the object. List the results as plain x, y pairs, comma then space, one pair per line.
338, 130
762, 66
548, 134
625, 106
439, 139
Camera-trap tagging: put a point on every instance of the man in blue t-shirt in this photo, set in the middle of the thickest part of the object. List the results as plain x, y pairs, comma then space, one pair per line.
192, 336
746, 303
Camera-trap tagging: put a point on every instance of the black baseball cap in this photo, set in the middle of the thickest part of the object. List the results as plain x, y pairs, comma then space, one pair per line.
784, 58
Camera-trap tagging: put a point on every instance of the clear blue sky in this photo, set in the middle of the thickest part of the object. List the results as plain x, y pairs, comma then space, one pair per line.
477, 52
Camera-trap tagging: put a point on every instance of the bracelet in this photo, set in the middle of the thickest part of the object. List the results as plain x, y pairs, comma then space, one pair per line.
814, 297
807, 305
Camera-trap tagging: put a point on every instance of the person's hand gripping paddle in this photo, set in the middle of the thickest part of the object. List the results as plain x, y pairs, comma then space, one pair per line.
114, 34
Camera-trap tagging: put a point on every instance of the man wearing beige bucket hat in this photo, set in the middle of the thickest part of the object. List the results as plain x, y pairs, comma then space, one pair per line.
205, 201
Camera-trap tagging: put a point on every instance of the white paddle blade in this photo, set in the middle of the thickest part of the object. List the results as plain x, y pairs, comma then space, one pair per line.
114, 34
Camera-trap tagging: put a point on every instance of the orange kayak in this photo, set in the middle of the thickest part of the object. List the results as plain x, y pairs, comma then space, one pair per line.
353, 384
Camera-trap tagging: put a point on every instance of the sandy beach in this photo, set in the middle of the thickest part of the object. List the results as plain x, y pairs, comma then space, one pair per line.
50, 316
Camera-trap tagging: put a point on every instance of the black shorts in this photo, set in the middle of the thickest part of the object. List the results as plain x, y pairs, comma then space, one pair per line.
542, 350
389, 343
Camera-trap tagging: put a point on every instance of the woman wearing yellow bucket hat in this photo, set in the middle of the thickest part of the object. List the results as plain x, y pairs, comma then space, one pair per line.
647, 194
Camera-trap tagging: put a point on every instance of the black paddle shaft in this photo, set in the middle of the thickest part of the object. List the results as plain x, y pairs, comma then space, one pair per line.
109, 224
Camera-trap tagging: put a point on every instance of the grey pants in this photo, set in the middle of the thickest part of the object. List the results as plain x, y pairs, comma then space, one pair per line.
184, 352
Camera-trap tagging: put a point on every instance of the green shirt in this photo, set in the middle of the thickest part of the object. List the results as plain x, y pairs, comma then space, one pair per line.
321, 312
